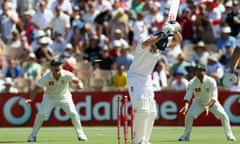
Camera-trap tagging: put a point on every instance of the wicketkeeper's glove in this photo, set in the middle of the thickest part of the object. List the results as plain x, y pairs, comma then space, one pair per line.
228, 79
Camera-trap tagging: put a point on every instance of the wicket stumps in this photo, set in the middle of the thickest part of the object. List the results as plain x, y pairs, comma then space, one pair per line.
125, 120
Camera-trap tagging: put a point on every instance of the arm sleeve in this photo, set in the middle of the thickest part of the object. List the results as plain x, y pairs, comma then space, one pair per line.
189, 93
214, 90
70, 76
42, 82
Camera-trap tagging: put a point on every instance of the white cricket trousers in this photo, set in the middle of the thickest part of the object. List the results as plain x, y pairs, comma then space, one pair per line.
142, 99
66, 104
196, 109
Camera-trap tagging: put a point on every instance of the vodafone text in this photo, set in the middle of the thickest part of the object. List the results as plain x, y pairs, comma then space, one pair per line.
102, 110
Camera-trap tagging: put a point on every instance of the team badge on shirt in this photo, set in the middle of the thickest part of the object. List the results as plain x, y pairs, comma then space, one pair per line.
51, 83
197, 89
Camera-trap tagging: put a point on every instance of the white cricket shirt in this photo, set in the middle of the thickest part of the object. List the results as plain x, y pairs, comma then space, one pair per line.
56, 88
144, 60
203, 92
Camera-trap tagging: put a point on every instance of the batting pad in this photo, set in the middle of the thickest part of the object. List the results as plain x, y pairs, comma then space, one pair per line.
140, 120
140, 126
145, 114
142, 105
151, 118
152, 107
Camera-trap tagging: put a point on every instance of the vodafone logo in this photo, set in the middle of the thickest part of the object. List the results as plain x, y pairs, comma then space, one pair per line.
16, 101
232, 99
101, 111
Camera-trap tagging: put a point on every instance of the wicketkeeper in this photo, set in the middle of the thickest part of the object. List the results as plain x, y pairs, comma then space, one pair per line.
230, 77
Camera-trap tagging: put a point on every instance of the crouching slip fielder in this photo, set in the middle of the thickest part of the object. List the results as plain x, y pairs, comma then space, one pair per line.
56, 94
140, 85
204, 88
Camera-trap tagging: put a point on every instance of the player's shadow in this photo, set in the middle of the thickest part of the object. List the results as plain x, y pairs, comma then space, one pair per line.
166, 141
24, 141
12, 142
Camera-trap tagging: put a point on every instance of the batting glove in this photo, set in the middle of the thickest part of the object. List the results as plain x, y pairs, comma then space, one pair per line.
168, 29
176, 25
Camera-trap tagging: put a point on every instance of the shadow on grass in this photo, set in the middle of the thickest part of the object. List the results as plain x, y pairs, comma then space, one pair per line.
17, 142
38, 141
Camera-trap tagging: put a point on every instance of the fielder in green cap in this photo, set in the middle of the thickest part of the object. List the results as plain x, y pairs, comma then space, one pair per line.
56, 92
205, 91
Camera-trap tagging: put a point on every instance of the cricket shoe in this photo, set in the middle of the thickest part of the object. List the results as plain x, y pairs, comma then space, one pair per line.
231, 138
82, 138
144, 142
32, 138
184, 138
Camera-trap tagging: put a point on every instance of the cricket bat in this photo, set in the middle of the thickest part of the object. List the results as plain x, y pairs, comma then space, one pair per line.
172, 15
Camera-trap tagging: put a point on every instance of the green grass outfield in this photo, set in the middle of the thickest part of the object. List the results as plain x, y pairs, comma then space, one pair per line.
108, 135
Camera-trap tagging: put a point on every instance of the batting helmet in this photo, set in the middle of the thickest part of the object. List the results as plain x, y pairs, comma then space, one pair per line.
162, 43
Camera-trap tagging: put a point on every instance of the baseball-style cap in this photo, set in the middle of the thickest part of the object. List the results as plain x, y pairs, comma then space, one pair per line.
30, 12
8, 81
226, 29
44, 41
179, 72
69, 46
55, 62
75, 8
39, 33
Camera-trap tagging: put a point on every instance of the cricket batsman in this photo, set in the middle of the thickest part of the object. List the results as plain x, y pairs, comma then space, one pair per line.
140, 85
205, 91
57, 93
